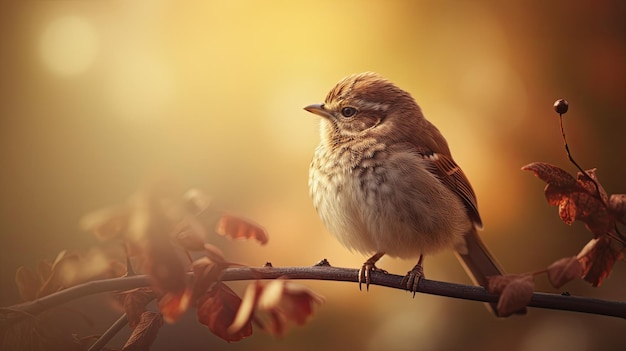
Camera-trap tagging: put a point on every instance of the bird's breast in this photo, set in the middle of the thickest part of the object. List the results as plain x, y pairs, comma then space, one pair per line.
378, 199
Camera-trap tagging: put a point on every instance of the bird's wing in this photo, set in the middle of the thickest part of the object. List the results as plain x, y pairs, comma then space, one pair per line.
450, 174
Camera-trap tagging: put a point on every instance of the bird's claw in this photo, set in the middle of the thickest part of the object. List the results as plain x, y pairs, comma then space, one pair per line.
412, 278
365, 274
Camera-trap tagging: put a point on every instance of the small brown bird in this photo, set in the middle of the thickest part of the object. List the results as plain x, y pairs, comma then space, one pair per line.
383, 181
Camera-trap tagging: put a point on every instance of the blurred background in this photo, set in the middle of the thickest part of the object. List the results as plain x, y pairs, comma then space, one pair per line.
95, 96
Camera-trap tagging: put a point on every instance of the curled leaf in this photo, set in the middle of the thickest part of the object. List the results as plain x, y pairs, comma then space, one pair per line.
245, 312
551, 174
516, 295
617, 205
134, 302
564, 271
145, 332
582, 198
217, 310
206, 273
497, 283
282, 300
239, 228
289, 301
172, 305
155, 216
597, 259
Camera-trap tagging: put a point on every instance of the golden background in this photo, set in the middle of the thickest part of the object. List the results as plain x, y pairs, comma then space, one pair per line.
97, 95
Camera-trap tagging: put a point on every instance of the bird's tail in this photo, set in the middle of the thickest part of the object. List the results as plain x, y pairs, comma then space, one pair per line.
478, 262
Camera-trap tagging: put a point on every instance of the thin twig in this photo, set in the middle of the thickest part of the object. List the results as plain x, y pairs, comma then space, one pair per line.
322, 272
571, 159
110, 333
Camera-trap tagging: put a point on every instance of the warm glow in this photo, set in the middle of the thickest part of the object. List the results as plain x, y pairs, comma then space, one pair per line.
96, 96
69, 45
140, 86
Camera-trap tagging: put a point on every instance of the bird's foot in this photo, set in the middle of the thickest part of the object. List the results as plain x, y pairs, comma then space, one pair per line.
366, 271
412, 278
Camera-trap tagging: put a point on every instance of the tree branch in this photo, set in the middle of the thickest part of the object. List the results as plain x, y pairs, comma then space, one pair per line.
321, 271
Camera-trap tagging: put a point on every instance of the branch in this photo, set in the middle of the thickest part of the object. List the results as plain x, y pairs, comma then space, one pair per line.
321, 271
110, 333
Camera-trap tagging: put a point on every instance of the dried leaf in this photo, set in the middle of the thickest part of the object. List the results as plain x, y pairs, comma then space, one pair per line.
497, 283
291, 300
206, 273
567, 210
135, 302
617, 206
282, 300
597, 259
590, 182
217, 310
516, 295
28, 283
239, 228
172, 305
155, 215
144, 334
246, 309
551, 174
564, 271
582, 198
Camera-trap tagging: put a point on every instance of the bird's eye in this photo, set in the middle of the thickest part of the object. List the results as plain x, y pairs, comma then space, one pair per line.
348, 111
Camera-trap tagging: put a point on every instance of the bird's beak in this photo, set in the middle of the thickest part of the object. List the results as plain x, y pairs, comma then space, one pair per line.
319, 109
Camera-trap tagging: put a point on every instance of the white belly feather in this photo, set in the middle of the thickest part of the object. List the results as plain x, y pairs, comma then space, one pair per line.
385, 203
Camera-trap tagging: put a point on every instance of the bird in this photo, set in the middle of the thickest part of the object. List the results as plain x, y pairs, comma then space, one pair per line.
383, 182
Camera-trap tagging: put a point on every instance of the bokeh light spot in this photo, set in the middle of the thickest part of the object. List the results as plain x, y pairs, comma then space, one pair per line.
69, 45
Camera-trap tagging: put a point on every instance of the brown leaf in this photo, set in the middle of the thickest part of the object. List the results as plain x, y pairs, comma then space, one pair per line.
206, 273
173, 304
144, 334
154, 218
617, 206
590, 182
516, 295
567, 209
135, 302
239, 228
291, 300
551, 174
497, 283
597, 259
577, 199
564, 271
217, 310
246, 309
282, 300
28, 283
